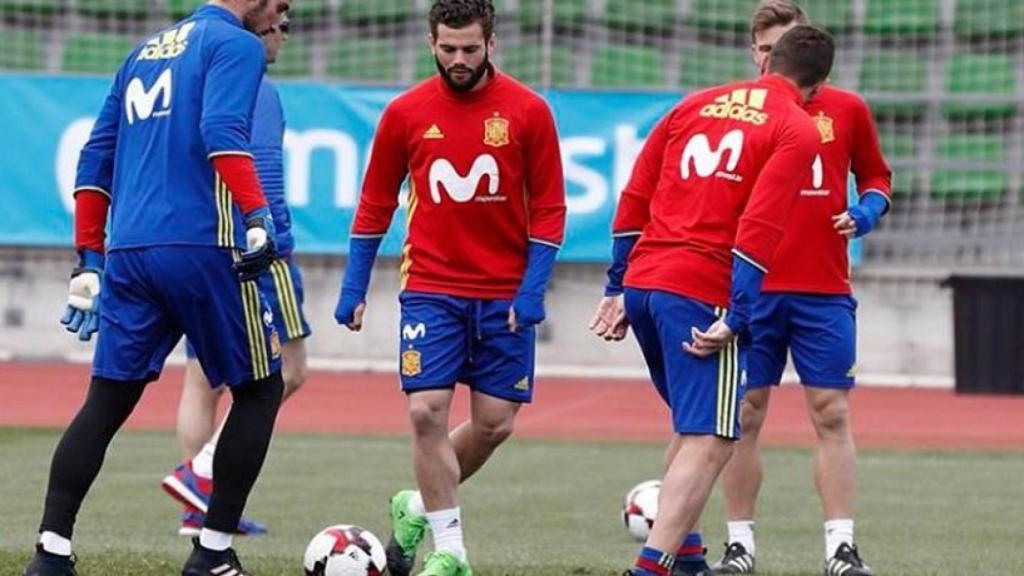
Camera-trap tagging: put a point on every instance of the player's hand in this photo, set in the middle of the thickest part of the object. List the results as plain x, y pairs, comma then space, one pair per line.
845, 224
710, 341
350, 309
527, 310
260, 251
82, 314
609, 321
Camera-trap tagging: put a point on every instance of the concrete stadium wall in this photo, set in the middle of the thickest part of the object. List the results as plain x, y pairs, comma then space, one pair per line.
905, 324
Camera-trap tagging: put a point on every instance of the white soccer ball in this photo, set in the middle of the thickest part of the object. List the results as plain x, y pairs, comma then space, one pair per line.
641, 508
344, 550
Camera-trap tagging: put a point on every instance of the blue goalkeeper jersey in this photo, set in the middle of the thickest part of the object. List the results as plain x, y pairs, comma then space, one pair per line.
267, 142
183, 96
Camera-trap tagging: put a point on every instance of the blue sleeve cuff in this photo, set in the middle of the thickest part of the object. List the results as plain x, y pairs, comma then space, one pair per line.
539, 266
746, 288
91, 259
869, 210
362, 251
622, 247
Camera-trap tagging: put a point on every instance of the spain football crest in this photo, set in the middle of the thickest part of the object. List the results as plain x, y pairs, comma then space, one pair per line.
411, 365
496, 131
825, 128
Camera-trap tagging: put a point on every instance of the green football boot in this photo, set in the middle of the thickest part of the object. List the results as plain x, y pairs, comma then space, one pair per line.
407, 531
445, 564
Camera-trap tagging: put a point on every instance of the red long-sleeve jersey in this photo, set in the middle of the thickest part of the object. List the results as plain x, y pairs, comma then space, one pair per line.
718, 176
812, 257
485, 179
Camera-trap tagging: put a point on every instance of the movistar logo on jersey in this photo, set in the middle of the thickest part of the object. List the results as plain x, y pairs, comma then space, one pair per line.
167, 45
706, 160
743, 105
141, 102
463, 188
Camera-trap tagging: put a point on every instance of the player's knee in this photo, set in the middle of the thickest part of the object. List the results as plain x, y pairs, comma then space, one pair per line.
494, 431
266, 392
427, 418
830, 414
752, 415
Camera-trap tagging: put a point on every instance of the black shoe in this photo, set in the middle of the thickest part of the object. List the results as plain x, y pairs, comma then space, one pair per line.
46, 564
847, 562
736, 560
695, 568
398, 563
204, 562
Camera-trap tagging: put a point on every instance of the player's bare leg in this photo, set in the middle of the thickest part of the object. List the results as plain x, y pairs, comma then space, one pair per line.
294, 366
197, 410
686, 487
834, 463
741, 484
491, 423
690, 554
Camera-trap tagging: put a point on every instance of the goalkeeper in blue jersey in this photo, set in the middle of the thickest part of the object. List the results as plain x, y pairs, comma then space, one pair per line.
191, 482
190, 232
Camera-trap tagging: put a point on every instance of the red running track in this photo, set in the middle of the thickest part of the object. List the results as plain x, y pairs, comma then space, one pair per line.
47, 395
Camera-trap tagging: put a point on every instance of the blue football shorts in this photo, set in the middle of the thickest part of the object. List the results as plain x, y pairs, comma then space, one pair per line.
153, 296
818, 330
703, 394
445, 340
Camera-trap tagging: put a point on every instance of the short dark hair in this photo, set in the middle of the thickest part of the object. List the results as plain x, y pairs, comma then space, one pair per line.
462, 13
804, 54
772, 13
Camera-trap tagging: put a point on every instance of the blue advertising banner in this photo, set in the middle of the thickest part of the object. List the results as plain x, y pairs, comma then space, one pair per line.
47, 119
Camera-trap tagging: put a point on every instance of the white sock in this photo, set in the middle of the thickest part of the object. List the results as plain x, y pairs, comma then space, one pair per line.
447, 528
55, 543
837, 532
213, 540
416, 505
742, 532
202, 464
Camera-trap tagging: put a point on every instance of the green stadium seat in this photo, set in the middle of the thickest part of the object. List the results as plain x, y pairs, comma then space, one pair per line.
30, 6
727, 15
902, 183
989, 18
980, 74
568, 13
294, 60
897, 72
980, 184
108, 8
22, 50
710, 65
307, 9
178, 9
627, 67
898, 145
367, 59
653, 15
375, 10
523, 62
424, 65
834, 15
901, 17
96, 53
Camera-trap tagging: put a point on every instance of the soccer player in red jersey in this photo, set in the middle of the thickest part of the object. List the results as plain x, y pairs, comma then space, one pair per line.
699, 222
486, 217
806, 307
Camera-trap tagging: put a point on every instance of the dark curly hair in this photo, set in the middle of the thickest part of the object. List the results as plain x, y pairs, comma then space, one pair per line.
462, 13
805, 54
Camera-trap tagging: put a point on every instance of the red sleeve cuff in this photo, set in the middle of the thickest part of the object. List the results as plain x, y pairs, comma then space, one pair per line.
91, 220
239, 174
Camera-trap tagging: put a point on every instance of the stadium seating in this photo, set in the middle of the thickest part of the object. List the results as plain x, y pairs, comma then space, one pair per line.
568, 13
901, 17
95, 53
897, 144
375, 10
523, 61
22, 50
307, 9
726, 15
178, 9
711, 65
989, 18
114, 8
30, 6
901, 73
980, 74
627, 66
652, 15
969, 183
377, 62
294, 60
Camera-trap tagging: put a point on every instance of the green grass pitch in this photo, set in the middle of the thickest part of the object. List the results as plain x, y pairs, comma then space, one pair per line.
540, 508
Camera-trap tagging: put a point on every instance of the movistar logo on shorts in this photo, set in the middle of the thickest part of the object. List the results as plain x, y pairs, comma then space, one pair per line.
167, 45
414, 332
743, 105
